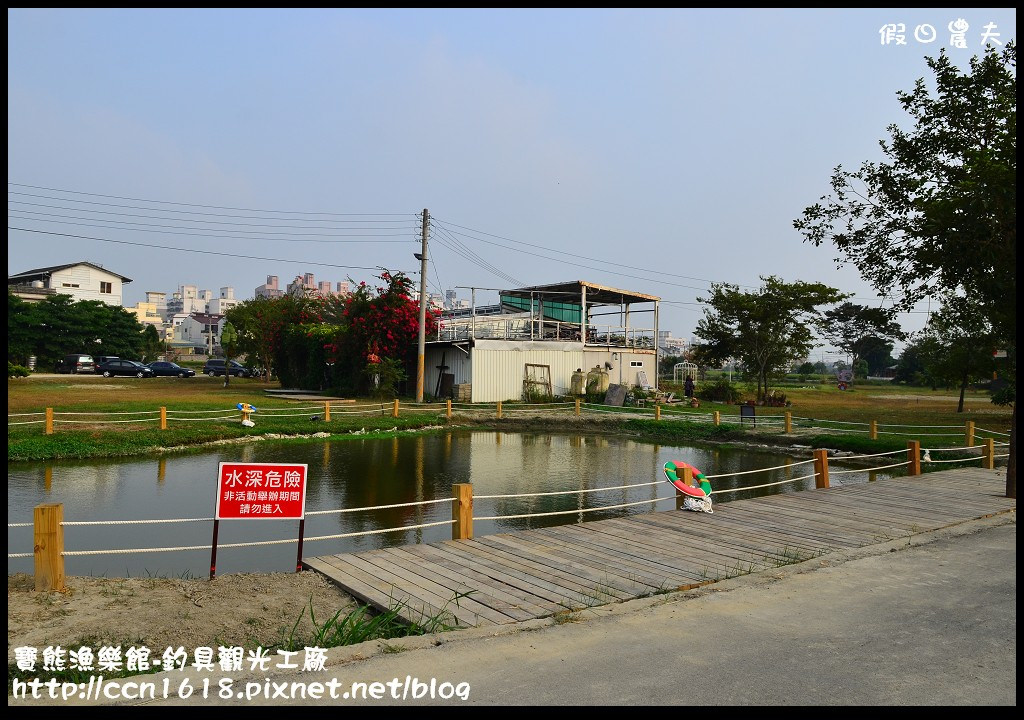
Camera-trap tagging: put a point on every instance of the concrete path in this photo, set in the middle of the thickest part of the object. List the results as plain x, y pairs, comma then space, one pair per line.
929, 621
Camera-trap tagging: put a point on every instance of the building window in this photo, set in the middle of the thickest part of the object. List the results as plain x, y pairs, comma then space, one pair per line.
69, 284
106, 288
636, 363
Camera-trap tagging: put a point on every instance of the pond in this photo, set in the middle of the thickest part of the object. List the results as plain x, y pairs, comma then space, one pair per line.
364, 472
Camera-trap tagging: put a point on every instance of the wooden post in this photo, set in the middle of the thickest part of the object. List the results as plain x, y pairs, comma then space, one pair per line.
49, 546
718, 418
499, 408
49, 421
657, 412
988, 454
327, 410
448, 408
969, 433
914, 456
394, 411
789, 422
821, 469
577, 407
462, 511
687, 478
873, 432
163, 418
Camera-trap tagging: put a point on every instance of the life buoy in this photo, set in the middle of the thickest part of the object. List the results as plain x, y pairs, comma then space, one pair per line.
674, 474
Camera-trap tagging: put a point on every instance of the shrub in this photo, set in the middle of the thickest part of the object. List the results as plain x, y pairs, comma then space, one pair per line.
720, 390
16, 371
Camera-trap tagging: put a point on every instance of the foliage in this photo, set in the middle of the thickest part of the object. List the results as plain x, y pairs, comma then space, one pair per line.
151, 344
857, 329
806, 370
879, 358
16, 371
60, 325
766, 330
228, 343
939, 217
385, 374
957, 347
860, 369
261, 324
720, 390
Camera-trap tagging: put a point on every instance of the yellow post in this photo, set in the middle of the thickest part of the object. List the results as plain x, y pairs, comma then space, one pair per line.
394, 412
988, 454
462, 511
789, 422
687, 478
448, 408
49, 421
718, 418
577, 407
873, 432
821, 469
49, 546
657, 412
499, 408
163, 418
914, 456
969, 433
327, 410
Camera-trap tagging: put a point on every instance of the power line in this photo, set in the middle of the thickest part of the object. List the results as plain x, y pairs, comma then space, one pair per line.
204, 252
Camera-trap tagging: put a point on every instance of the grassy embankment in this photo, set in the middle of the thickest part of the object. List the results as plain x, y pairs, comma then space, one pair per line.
886, 404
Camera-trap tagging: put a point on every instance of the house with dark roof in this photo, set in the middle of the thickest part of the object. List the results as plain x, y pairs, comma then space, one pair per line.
81, 280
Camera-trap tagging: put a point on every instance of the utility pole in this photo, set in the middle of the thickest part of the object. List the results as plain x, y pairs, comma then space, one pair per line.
423, 310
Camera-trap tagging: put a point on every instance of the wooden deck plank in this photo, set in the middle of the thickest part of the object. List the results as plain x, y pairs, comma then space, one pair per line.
538, 572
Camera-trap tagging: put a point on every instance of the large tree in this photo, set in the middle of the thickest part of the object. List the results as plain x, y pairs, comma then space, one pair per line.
939, 215
858, 330
766, 330
958, 347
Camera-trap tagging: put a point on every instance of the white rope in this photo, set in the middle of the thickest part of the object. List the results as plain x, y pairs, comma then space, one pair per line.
1003, 455
565, 492
134, 522
994, 432
838, 422
748, 472
264, 416
102, 422
573, 512
923, 426
381, 507
377, 532
20, 524
196, 412
872, 469
24, 414
19, 555
860, 457
973, 459
962, 448
203, 419
960, 434
104, 412
26, 422
755, 487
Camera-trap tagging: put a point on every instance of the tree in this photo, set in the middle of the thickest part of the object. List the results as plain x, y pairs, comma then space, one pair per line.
228, 341
879, 357
261, 324
958, 346
766, 330
939, 217
806, 370
858, 330
151, 344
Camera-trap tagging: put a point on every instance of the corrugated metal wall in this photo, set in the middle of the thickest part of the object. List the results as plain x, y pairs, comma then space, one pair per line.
456, 360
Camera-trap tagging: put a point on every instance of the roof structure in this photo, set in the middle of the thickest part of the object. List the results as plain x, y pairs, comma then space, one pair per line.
40, 273
596, 294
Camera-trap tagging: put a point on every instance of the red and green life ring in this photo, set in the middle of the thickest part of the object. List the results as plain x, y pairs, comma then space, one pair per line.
674, 474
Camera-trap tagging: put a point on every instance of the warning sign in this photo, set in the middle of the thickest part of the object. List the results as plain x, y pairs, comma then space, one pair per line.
261, 491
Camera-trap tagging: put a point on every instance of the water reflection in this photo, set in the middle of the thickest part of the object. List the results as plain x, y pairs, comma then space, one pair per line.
364, 472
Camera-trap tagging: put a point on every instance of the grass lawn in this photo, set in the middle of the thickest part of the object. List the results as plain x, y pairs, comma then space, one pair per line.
885, 403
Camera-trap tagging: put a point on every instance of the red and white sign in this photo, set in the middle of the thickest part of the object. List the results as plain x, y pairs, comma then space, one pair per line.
261, 491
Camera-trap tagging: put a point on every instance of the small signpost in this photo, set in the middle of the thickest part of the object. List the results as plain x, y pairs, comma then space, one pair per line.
260, 491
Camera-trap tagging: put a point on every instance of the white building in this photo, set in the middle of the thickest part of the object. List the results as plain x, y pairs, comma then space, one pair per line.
195, 330
81, 280
538, 333
226, 301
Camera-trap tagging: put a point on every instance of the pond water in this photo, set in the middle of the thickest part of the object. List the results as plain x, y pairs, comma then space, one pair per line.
353, 473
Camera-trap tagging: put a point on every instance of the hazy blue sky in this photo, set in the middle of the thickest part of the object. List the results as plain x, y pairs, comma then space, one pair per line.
650, 150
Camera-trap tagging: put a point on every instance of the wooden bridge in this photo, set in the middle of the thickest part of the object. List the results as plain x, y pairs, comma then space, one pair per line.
516, 576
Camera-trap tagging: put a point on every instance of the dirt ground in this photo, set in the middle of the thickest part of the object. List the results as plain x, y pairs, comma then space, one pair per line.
244, 609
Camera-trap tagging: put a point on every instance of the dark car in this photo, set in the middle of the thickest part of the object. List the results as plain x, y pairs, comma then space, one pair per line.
76, 363
124, 367
215, 367
103, 359
169, 369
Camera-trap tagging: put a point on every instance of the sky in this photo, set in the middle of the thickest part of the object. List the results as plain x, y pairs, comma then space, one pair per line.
652, 150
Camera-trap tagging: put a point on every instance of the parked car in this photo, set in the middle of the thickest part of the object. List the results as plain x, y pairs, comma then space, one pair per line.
101, 359
76, 363
169, 369
215, 367
125, 367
